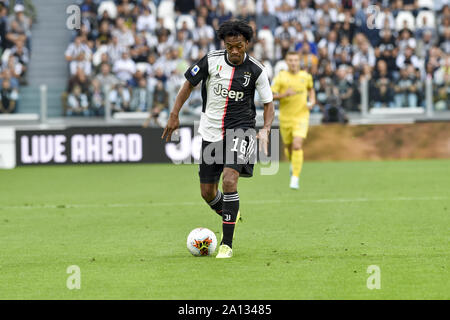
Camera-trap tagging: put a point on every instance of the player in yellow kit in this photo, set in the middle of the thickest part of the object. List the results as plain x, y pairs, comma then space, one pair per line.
293, 87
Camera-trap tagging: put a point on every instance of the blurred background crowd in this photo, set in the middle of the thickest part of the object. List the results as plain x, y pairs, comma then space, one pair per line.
16, 20
132, 54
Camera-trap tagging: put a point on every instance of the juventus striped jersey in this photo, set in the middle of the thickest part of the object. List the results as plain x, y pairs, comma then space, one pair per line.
228, 93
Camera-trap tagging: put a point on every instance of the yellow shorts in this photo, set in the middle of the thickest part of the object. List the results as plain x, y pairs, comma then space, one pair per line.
297, 129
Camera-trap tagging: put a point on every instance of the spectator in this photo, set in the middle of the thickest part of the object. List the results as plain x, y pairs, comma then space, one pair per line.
124, 68
406, 88
139, 51
408, 57
15, 69
77, 103
21, 53
3, 25
305, 14
160, 98
333, 111
344, 89
222, 14
442, 85
141, 98
330, 43
203, 31
14, 34
383, 94
104, 36
124, 35
79, 56
21, 21
266, 20
308, 61
119, 98
146, 21
444, 41
115, 50
406, 40
386, 49
79, 79
364, 55
97, 98
183, 44
9, 97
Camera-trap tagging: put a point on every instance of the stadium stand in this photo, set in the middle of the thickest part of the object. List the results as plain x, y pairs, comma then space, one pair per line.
140, 45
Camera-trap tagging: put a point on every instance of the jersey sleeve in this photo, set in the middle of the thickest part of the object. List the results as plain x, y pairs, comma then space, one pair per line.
198, 71
263, 87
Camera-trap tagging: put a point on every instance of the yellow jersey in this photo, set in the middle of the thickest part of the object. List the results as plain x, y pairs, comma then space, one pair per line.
293, 108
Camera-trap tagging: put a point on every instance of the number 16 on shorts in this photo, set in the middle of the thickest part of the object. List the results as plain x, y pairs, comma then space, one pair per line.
244, 148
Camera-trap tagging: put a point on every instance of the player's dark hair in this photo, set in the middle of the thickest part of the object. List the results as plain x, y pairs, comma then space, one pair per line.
233, 28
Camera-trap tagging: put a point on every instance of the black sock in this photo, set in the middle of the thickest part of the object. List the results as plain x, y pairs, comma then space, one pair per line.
217, 203
229, 215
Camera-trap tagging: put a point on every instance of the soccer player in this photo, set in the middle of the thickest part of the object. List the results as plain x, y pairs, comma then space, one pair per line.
292, 88
229, 79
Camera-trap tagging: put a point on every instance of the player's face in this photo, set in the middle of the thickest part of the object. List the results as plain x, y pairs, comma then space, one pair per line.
293, 62
236, 47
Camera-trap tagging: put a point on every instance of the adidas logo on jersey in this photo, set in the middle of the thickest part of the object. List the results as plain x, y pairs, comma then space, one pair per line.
224, 92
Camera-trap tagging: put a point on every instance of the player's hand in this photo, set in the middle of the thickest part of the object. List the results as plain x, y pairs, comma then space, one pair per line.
171, 126
289, 92
263, 136
311, 105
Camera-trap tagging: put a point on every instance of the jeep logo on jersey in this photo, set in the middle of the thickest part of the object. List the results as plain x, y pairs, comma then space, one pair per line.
224, 92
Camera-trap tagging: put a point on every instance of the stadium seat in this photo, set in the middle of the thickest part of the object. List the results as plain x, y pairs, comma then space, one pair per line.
97, 56
169, 23
405, 16
230, 5
430, 19
268, 36
166, 9
185, 18
109, 6
142, 67
425, 4
279, 66
153, 8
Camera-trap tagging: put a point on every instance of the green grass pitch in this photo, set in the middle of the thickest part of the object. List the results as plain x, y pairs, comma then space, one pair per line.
125, 226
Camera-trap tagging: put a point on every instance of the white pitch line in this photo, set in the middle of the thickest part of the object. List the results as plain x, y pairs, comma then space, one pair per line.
200, 203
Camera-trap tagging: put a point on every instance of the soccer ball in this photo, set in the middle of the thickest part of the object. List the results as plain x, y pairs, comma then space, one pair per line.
201, 242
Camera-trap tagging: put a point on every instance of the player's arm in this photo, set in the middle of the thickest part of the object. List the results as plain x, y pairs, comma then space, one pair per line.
193, 76
265, 92
263, 134
312, 98
278, 96
276, 89
311, 93
173, 123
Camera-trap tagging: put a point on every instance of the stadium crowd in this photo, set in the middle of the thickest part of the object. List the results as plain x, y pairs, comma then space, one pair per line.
16, 18
133, 53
